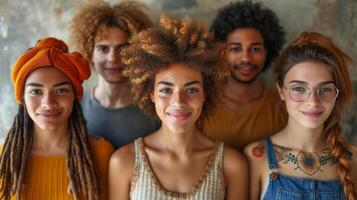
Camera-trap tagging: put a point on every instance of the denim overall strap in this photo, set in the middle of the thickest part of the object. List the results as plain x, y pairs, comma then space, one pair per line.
270, 153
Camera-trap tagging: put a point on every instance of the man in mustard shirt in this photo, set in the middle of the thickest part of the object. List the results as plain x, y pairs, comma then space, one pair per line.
248, 109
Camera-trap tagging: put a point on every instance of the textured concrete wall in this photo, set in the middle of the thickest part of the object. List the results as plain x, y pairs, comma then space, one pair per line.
22, 23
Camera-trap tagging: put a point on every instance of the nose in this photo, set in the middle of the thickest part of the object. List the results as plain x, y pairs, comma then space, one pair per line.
113, 55
178, 98
49, 100
313, 97
245, 56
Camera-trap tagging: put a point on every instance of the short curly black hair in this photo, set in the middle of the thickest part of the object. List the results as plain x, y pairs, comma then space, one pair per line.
247, 14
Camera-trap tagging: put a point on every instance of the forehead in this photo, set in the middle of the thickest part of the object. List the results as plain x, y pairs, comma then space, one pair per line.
310, 72
245, 36
46, 75
110, 35
179, 73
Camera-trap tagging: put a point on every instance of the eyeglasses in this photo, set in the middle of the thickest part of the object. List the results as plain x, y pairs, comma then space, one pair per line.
326, 93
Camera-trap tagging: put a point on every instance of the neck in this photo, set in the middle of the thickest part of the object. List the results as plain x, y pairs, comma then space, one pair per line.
302, 138
50, 142
112, 95
241, 94
179, 143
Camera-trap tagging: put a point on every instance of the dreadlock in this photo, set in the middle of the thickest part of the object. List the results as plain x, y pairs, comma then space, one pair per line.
15, 153
17, 148
80, 164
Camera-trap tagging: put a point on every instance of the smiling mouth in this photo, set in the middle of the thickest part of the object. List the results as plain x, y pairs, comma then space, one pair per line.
49, 115
245, 69
116, 69
314, 114
180, 116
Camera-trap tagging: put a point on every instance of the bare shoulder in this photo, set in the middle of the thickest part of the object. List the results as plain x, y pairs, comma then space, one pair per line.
123, 159
121, 172
256, 155
234, 160
255, 151
235, 172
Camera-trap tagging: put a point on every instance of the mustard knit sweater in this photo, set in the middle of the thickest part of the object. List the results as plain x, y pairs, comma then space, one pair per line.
46, 176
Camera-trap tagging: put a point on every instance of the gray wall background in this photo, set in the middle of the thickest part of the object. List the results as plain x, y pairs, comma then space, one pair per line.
23, 22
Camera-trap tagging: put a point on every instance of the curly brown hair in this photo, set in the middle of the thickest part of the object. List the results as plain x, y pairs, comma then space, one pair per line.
186, 42
314, 47
93, 19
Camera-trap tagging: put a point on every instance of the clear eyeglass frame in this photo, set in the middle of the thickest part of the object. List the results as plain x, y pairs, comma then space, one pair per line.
293, 96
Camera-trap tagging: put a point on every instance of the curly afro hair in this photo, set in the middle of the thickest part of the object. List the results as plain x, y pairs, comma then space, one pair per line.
175, 41
93, 19
246, 14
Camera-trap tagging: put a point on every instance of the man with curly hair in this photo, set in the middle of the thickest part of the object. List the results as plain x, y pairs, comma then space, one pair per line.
99, 31
249, 110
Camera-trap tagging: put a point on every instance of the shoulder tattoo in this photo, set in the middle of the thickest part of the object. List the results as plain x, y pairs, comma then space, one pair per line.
258, 150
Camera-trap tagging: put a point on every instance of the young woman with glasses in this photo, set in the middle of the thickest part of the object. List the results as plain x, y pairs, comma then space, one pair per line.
309, 158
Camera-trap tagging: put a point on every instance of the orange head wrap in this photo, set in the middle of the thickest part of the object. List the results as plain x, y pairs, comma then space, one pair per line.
50, 52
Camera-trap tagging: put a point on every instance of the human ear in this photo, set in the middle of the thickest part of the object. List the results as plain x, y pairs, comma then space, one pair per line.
280, 91
152, 96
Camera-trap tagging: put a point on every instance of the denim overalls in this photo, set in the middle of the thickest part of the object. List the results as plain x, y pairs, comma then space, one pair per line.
283, 187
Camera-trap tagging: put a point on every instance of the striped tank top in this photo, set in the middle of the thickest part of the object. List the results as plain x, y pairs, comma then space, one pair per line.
145, 185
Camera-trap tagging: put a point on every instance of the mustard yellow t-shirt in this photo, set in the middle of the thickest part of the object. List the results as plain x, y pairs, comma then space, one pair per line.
239, 128
46, 176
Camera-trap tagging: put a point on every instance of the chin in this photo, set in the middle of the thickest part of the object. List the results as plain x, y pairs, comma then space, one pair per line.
48, 126
116, 80
312, 124
179, 129
244, 79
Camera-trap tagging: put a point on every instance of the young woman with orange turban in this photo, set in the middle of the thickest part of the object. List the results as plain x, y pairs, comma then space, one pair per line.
47, 153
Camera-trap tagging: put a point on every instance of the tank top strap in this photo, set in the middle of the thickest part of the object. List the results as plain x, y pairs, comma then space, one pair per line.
270, 153
138, 150
219, 155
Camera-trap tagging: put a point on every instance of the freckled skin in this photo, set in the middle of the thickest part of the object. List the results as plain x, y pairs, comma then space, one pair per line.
258, 151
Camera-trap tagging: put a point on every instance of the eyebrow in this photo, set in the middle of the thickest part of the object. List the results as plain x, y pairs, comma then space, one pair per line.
186, 84
62, 83
192, 83
253, 44
40, 85
107, 45
34, 84
303, 82
101, 46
